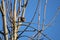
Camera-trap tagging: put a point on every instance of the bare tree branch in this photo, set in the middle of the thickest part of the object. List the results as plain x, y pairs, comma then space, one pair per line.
4, 21
1, 33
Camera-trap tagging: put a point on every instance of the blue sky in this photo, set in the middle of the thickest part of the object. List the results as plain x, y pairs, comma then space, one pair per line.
52, 6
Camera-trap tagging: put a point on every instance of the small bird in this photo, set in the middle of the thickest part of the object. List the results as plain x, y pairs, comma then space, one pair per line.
21, 19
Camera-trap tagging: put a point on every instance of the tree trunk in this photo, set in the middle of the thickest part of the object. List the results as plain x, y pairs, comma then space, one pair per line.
14, 24
4, 22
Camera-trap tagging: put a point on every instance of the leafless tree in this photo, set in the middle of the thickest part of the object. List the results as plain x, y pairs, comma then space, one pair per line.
13, 16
